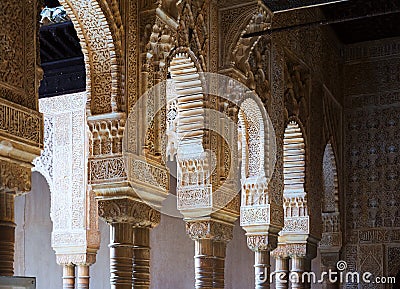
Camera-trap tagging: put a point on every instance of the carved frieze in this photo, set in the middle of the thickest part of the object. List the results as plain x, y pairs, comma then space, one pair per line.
304, 250
193, 31
108, 169
20, 123
19, 57
254, 215
194, 197
371, 156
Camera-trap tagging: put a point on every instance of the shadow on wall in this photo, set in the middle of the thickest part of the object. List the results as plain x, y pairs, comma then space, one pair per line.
34, 256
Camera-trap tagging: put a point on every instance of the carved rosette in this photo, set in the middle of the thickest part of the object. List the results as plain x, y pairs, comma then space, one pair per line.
209, 229
126, 210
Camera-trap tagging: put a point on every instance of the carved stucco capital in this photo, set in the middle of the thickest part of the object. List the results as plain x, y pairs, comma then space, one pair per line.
280, 252
261, 242
14, 178
76, 259
128, 211
209, 229
302, 250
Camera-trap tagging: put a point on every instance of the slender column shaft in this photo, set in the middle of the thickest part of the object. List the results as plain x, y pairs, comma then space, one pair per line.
7, 234
83, 277
204, 264
121, 256
298, 268
262, 269
219, 264
68, 277
141, 259
282, 271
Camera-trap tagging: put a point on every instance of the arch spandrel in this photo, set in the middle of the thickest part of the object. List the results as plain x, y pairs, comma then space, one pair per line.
100, 55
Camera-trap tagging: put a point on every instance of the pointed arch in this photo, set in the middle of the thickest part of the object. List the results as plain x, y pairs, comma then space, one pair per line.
253, 140
331, 241
100, 54
330, 181
257, 146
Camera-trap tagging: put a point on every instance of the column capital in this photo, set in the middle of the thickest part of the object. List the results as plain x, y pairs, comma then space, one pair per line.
302, 250
261, 242
209, 229
125, 210
14, 178
76, 259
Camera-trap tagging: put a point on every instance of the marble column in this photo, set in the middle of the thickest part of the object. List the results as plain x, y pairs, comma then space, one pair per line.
262, 268
7, 233
121, 255
282, 272
204, 263
297, 269
68, 276
130, 223
300, 264
83, 276
262, 245
141, 258
219, 264
210, 239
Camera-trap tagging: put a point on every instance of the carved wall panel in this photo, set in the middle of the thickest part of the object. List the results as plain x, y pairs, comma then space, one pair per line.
372, 132
64, 165
19, 80
21, 131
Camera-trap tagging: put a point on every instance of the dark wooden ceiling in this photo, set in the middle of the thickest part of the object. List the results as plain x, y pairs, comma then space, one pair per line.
283, 5
371, 19
51, 3
368, 27
61, 58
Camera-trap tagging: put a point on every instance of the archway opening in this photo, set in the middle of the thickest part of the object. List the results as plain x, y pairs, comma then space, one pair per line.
61, 54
